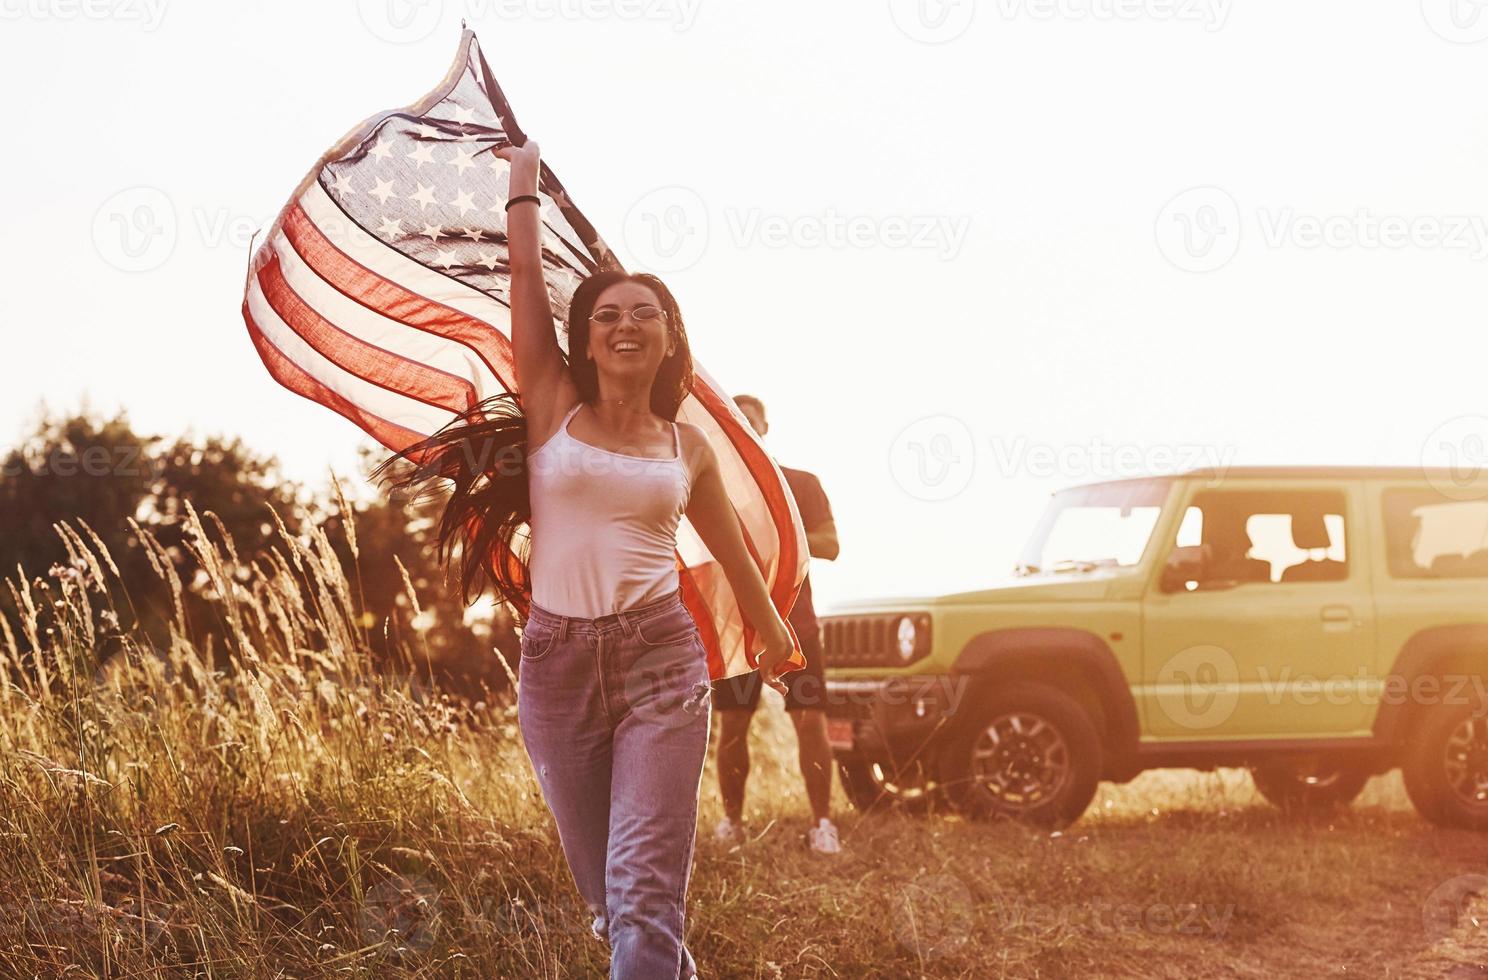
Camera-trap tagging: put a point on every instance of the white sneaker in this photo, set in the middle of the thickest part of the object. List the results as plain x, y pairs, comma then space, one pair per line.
728, 831
823, 837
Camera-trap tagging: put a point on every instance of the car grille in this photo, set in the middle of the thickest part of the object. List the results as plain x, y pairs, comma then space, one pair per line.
865, 641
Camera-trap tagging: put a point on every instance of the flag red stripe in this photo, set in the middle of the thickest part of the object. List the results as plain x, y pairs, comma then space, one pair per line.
692, 597
359, 283
763, 473
292, 376
797, 659
371, 363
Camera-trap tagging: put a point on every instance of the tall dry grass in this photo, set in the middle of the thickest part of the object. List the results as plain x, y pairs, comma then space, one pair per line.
270, 802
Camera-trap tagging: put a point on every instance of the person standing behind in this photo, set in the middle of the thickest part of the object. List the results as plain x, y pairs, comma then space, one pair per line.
735, 698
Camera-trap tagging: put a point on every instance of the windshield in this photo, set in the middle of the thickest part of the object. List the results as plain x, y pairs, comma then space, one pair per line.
1095, 526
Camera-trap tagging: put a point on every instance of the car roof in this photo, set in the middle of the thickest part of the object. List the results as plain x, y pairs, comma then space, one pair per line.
1411, 473
1343, 472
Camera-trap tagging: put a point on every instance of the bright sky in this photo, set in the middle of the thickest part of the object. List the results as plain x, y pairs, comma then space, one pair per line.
966, 254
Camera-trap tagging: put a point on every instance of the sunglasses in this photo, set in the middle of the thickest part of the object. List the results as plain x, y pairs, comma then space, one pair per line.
641, 314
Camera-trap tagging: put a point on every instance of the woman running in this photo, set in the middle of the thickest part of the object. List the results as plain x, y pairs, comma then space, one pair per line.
613, 695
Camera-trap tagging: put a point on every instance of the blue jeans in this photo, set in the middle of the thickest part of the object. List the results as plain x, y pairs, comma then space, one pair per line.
614, 713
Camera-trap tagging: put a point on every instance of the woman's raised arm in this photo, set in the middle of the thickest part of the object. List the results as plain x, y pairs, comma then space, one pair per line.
543, 381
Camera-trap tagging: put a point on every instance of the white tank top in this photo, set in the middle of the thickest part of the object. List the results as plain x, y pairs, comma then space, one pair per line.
604, 525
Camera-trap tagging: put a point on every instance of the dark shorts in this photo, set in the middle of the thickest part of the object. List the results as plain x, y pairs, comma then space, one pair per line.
805, 689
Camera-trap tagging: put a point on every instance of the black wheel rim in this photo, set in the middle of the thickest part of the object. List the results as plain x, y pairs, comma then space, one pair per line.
1021, 760
1465, 762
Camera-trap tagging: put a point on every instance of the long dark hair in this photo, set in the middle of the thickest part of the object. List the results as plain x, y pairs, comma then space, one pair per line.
481, 455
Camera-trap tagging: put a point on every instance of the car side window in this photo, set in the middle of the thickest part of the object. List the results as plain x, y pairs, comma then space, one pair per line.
1429, 535
1253, 537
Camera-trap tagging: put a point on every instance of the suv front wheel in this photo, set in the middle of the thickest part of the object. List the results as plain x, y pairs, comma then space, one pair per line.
1446, 767
1027, 751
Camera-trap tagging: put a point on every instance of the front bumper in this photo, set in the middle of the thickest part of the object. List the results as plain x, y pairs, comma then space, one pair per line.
890, 719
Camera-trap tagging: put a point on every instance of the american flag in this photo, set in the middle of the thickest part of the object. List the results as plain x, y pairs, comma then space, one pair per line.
382, 291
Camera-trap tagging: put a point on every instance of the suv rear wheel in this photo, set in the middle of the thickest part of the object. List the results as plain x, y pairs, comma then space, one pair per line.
1446, 767
1312, 784
1027, 751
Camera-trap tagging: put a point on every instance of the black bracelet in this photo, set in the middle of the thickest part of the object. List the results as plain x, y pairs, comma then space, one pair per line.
524, 197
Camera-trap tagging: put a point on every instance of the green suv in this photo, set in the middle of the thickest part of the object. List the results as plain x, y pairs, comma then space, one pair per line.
1316, 625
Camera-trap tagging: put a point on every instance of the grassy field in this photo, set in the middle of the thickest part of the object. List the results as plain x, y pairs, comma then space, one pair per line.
301, 812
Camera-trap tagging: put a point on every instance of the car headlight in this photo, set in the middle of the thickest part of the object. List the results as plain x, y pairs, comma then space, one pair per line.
908, 636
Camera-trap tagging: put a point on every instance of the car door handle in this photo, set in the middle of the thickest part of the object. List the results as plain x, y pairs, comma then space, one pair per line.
1338, 614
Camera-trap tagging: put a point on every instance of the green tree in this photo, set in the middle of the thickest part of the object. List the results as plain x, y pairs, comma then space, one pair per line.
100, 472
